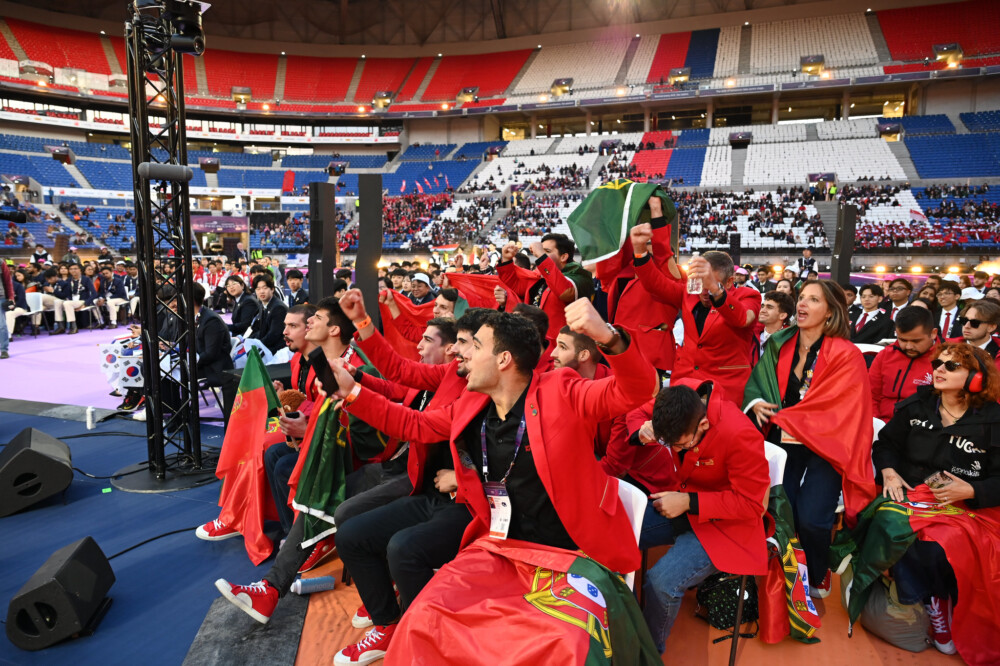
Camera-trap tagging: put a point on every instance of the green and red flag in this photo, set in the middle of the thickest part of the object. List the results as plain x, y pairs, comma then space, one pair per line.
601, 223
552, 606
842, 437
971, 542
253, 426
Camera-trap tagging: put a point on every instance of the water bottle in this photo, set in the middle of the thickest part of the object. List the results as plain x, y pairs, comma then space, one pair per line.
310, 585
694, 284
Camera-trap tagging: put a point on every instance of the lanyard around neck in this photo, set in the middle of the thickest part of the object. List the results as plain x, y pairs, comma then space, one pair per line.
517, 447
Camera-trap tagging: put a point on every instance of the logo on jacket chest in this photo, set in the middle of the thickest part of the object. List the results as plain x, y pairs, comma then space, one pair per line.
926, 380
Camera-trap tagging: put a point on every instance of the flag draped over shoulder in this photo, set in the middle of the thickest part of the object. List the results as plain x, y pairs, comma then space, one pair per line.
601, 224
246, 497
551, 606
971, 541
404, 332
842, 437
477, 289
785, 605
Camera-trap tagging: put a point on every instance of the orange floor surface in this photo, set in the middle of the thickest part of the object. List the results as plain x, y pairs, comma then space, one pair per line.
328, 629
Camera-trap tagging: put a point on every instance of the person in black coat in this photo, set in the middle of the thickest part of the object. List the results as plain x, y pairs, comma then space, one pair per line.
77, 292
112, 290
212, 341
871, 323
245, 306
295, 294
269, 324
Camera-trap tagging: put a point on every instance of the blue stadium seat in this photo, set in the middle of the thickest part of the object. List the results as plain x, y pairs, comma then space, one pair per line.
955, 156
691, 138
427, 151
686, 163
983, 121
923, 125
701, 53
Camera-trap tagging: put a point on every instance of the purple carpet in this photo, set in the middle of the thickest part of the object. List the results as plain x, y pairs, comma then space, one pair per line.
64, 369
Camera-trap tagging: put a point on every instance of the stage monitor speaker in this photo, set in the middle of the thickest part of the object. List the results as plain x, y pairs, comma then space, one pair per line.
33, 467
324, 248
66, 597
843, 244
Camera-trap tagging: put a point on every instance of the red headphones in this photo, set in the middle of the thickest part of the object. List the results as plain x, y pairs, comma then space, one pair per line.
974, 382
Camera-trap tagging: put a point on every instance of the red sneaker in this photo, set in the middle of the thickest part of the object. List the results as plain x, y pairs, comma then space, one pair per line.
370, 648
320, 552
215, 530
361, 619
939, 612
821, 591
256, 599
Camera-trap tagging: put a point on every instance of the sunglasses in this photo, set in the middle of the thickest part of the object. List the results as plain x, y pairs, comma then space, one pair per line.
950, 366
974, 323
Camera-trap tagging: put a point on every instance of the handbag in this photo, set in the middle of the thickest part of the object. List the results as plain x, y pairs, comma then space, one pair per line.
717, 597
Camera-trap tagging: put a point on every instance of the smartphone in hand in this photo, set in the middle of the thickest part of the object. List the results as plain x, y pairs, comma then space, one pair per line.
937, 480
317, 359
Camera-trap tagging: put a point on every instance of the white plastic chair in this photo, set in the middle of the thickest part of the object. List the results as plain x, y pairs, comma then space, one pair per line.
35, 308
634, 501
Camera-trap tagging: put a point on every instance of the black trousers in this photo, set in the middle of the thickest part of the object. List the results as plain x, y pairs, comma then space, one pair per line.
402, 542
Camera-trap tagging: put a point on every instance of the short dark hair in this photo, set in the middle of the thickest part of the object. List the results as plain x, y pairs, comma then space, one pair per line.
564, 244
521, 260
446, 329
722, 262
903, 281
676, 412
517, 335
332, 307
238, 280
337, 285
948, 285
450, 294
303, 309
344, 273
50, 273
912, 317
582, 342
850, 287
784, 301
293, 274
258, 269
472, 319
873, 288
398, 272
262, 277
982, 275
198, 294
536, 316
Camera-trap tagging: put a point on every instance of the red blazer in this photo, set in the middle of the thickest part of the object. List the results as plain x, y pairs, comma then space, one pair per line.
307, 405
442, 379
895, 376
650, 465
562, 412
729, 472
521, 280
721, 352
631, 306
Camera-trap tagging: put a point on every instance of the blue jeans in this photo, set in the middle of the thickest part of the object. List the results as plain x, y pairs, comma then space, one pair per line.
4, 333
655, 530
279, 462
924, 572
685, 565
814, 503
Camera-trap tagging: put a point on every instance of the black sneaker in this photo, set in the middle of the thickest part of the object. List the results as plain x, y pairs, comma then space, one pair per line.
133, 400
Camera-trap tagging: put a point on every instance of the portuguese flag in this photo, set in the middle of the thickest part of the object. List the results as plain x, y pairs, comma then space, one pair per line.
601, 224
971, 541
842, 437
253, 426
551, 606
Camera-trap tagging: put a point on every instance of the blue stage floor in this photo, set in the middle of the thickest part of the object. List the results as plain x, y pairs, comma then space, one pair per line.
163, 589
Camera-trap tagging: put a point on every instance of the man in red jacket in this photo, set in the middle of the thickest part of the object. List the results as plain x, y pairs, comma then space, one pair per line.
902, 367
522, 431
713, 509
556, 281
631, 306
718, 322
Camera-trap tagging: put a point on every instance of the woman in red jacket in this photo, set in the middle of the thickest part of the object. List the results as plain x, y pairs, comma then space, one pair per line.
810, 395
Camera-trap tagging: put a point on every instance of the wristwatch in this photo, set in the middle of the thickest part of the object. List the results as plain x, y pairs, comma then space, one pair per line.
609, 345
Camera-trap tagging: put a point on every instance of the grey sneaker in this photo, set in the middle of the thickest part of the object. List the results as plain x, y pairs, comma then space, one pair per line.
4, 354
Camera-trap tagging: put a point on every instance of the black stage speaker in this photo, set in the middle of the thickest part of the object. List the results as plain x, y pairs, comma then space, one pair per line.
843, 244
324, 248
734, 248
369, 240
33, 466
65, 597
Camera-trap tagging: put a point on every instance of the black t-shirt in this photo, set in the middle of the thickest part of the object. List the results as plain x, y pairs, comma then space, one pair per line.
793, 389
533, 516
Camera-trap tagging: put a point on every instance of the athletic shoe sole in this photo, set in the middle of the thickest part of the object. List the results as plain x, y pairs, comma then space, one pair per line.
247, 607
373, 655
205, 536
359, 622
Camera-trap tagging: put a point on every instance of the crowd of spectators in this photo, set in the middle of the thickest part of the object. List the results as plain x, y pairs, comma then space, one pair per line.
293, 232
536, 214
467, 224
404, 216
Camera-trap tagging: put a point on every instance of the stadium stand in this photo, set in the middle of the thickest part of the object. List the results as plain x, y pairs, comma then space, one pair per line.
225, 69
651, 163
537, 146
919, 125
322, 160
727, 60
686, 165
60, 47
592, 143
492, 73
657, 139
853, 128
790, 163
589, 64
719, 136
642, 59
843, 41
958, 156
670, 53
427, 151
983, 121
312, 79
718, 167
701, 53
414, 80
692, 138
543, 172
381, 74
232, 159
476, 150
433, 177
43, 169
912, 32
106, 175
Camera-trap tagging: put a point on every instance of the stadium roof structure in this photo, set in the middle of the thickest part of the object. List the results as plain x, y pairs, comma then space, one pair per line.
420, 22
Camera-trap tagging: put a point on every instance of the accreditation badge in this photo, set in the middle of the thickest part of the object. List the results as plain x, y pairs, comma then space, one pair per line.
500, 510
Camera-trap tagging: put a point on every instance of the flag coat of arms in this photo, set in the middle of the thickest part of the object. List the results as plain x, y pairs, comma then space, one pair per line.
253, 427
